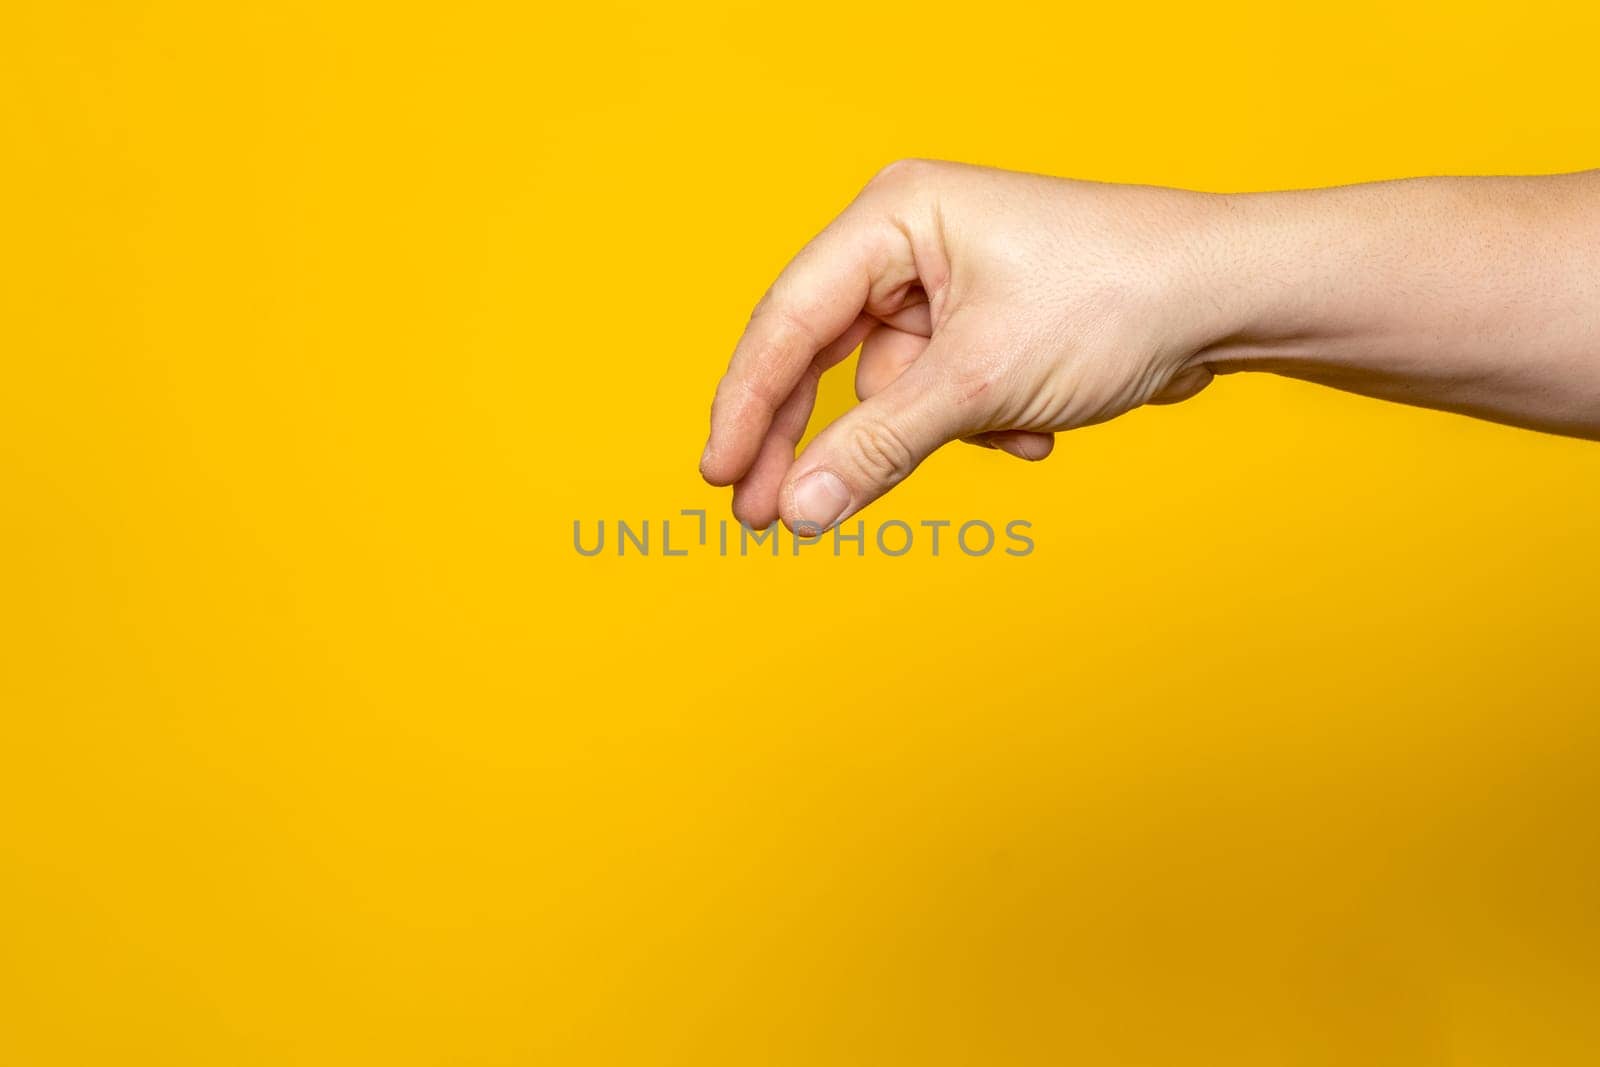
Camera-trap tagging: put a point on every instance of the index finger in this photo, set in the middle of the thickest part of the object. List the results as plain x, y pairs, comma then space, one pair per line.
815, 300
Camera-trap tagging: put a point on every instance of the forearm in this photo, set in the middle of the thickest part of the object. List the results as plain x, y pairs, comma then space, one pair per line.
1477, 295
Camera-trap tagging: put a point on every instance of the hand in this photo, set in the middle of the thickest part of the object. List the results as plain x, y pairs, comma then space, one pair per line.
990, 306
998, 308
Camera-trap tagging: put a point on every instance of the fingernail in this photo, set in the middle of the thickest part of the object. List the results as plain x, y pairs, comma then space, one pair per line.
820, 499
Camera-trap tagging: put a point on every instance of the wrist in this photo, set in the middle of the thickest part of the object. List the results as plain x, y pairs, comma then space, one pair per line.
1276, 279
1352, 278
1249, 282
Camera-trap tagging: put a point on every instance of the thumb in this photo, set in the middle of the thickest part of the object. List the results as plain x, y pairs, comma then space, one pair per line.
868, 450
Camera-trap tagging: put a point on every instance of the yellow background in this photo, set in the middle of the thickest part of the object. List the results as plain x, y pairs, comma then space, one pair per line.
322, 322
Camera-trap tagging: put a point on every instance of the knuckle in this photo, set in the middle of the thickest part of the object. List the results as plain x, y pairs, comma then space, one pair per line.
882, 452
783, 317
791, 323
735, 392
903, 173
757, 389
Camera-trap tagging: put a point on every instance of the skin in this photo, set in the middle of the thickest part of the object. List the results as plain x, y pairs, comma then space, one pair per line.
1000, 308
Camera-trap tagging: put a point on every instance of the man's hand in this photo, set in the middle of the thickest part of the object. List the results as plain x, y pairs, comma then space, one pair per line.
989, 306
